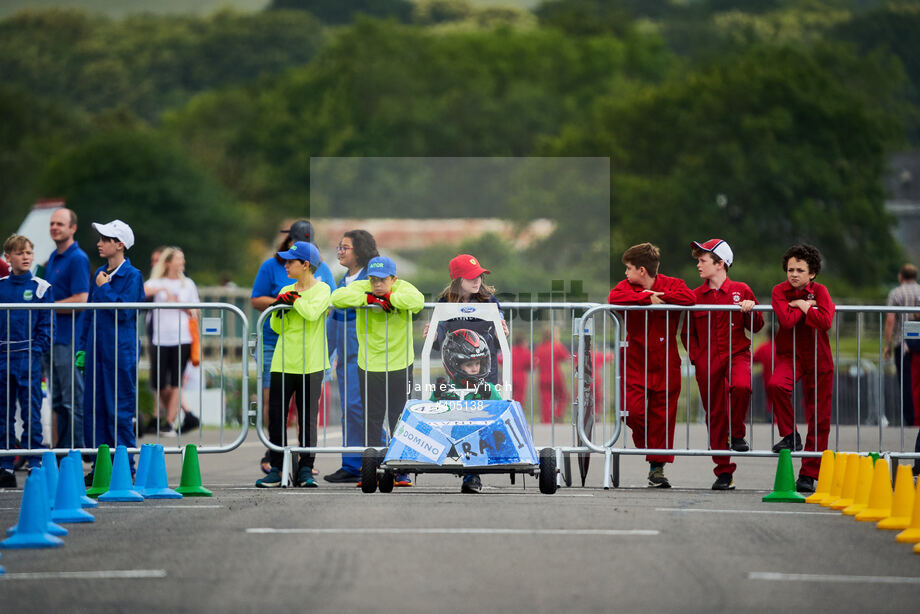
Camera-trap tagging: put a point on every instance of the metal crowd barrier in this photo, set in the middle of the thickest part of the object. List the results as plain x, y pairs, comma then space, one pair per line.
523, 318
862, 416
222, 327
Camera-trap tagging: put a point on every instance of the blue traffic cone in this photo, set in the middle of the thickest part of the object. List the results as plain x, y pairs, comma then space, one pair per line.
120, 488
77, 468
50, 526
33, 523
49, 464
143, 466
67, 502
157, 482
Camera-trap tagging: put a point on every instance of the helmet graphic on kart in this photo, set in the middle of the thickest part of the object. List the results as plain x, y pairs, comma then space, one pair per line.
466, 357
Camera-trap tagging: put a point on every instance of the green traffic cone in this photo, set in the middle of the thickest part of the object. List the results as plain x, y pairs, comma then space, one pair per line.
784, 484
874, 456
102, 472
190, 483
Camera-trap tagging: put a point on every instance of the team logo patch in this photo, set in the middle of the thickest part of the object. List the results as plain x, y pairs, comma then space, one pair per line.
473, 262
736, 297
467, 309
27, 295
429, 408
811, 296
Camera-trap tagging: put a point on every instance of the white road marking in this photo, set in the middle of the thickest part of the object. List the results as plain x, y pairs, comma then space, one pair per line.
156, 507
454, 531
681, 509
114, 574
806, 577
416, 490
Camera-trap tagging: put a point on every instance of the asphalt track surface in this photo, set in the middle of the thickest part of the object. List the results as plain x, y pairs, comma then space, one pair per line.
430, 549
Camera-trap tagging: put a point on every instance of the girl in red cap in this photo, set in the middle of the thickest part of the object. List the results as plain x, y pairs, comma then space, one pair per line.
467, 285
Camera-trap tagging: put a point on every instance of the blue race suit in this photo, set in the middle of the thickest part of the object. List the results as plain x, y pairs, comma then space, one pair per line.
111, 359
343, 341
24, 338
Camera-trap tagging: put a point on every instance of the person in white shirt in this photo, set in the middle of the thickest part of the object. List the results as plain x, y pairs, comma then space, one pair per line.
171, 335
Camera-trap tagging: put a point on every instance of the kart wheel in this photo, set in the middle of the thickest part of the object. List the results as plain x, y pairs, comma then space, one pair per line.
547, 471
369, 470
387, 481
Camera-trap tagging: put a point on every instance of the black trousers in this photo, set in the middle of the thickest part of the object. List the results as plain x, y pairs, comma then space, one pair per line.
304, 387
384, 395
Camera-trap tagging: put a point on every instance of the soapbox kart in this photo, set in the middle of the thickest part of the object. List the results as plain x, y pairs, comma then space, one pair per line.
460, 437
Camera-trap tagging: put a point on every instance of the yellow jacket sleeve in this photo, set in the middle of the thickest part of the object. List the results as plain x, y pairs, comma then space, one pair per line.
405, 296
352, 295
313, 305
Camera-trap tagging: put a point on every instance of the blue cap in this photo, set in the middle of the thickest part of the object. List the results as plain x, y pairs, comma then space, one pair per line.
301, 250
381, 266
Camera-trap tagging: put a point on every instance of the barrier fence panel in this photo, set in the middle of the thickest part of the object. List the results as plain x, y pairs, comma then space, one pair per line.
667, 384
97, 377
540, 364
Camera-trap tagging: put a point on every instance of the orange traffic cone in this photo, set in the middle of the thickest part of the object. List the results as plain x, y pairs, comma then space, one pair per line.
911, 535
903, 501
879, 495
849, 484
825, 478
863, 486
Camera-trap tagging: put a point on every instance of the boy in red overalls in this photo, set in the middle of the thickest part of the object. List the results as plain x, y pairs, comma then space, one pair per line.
804, 311
651, 362
720, 352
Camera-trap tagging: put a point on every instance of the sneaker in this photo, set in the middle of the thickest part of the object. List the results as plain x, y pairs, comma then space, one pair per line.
305, 478
402, 479
272, 480
342, 476
805, 484
167, 430
472, 484
151, 426
656, 478
190, 422
738, 444
7, 479
724, 482
786, 443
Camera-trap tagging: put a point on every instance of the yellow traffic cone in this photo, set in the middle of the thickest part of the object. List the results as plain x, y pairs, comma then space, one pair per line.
879, 495
840, 470
863, 485
825, 478
911, 535
917, 549
903, 501
849, 484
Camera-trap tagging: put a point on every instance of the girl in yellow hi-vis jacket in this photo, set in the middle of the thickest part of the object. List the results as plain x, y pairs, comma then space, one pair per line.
299, 360
385, 350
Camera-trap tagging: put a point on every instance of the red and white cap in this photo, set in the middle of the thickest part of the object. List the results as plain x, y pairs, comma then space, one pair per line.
718, 247
465, 266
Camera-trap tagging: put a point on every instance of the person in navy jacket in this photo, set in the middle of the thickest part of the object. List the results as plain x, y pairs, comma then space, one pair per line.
24, 338
107, 343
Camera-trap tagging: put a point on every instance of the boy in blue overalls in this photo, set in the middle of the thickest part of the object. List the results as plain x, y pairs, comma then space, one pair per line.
24, 338
107, 343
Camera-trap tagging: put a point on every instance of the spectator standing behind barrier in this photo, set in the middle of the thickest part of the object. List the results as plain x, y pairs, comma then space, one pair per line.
107, 343
385, 348
719, 349
171, 337
24, 338
763, 355
266, 287
355, 250
804, 313
521, 365
298, 365
906, 354
549, 357
651, 362
68, 273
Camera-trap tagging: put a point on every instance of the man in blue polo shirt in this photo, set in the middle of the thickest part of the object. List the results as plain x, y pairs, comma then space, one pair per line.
68, 273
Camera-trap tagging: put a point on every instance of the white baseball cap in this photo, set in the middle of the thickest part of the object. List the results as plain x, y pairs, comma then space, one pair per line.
718, 247
116, 229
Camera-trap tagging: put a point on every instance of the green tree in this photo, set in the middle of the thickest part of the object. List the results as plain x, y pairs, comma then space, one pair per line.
338, 12
151, 184
763, 150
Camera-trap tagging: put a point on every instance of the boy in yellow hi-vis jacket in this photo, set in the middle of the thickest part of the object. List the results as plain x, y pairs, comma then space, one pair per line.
299, 361
385, 350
